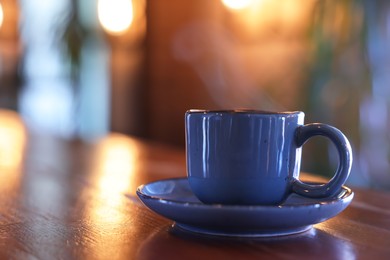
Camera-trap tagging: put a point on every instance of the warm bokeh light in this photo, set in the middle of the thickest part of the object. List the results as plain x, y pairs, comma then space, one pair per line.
113, 167
12, 139
237, 4
12, 144
1, 15
115, 16
116, 162
260, 14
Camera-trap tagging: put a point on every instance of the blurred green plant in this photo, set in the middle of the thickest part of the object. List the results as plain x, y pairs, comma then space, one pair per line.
72, 35
339, 75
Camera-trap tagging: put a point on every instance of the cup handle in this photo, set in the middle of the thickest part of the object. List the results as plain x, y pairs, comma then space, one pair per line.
304, 133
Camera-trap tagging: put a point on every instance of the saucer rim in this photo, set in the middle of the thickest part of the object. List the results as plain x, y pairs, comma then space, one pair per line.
347, 195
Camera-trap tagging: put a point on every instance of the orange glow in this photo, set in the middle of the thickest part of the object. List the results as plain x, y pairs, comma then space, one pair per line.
12, 139
116, 163
1, 15
115, 16
12, 145
237, 4
258, 15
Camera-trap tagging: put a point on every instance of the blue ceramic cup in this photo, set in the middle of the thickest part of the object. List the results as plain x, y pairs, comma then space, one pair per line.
247, 157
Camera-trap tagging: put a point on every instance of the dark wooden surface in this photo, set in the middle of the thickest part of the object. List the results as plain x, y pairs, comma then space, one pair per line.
74, 200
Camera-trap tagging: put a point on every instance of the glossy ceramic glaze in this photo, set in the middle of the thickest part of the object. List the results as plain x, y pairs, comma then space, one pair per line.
174, 199
253, 157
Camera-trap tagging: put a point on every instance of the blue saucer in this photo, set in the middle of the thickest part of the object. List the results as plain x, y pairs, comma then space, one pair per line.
173, 199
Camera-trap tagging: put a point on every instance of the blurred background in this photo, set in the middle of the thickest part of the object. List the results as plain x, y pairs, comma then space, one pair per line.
82, 69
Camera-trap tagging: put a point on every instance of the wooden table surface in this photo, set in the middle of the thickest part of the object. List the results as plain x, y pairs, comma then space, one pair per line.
75, 200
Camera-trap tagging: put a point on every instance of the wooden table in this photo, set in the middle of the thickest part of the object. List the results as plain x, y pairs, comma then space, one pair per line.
75, 200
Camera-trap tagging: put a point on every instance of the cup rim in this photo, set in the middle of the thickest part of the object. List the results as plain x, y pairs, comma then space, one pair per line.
242, 111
